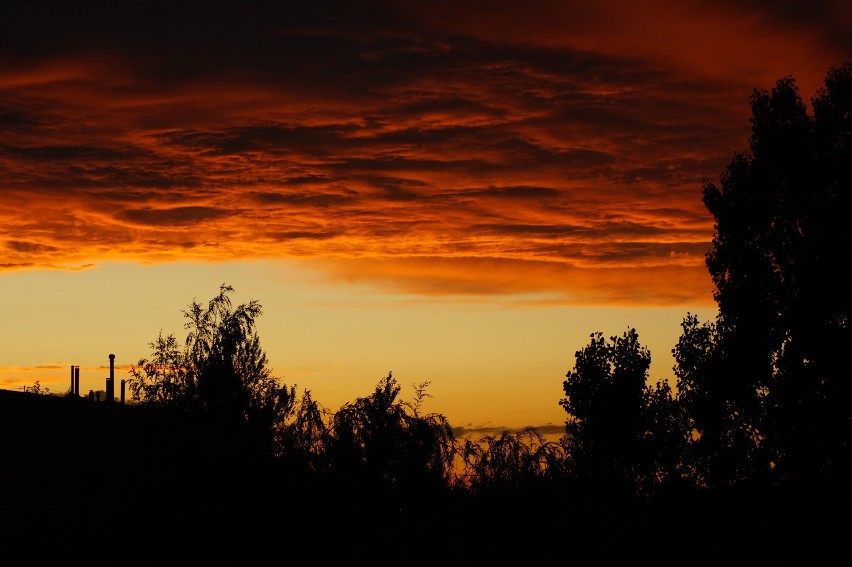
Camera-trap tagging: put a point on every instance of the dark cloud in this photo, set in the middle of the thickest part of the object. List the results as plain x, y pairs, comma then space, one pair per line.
15, 120
16, 265
19, 246
405, 164
176, 216
303, 234
308, 180
312, 200
512, 193
541, 231
830, 19
139, 187
271, 138
62, 153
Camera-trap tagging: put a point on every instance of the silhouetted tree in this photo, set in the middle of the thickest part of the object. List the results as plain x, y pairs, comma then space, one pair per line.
302, 442
515, 478
663, 465
781, 265
165, 378
220, 374
36, 389
623, 435
382, 451
511, 462
516, 474
724, 446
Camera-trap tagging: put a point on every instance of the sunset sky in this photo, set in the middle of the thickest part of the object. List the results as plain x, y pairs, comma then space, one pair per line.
459, 192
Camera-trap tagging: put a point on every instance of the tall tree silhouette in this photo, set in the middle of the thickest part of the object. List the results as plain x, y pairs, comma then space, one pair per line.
220, 373
781, 265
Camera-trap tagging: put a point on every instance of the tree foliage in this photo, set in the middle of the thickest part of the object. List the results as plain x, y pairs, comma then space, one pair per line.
623, 434
382, 446
511, 462
781, 265
220, 372
724, 441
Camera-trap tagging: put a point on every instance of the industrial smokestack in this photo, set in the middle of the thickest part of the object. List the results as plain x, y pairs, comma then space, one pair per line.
77, 380
73, 391
110, 384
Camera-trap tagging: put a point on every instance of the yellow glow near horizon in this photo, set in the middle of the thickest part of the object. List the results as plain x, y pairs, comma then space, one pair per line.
494, 361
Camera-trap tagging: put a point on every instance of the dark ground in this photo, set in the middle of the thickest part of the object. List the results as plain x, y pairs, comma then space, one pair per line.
121, 484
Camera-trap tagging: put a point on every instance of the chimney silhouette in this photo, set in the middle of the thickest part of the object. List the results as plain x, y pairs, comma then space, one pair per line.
110, 393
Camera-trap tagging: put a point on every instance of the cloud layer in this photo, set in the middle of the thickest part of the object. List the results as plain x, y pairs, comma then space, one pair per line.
439, 148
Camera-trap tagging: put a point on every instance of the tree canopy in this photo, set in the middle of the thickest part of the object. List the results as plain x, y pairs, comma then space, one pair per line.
782, 268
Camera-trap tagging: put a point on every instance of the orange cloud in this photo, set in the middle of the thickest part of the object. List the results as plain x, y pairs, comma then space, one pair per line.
538, 282
568, 140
